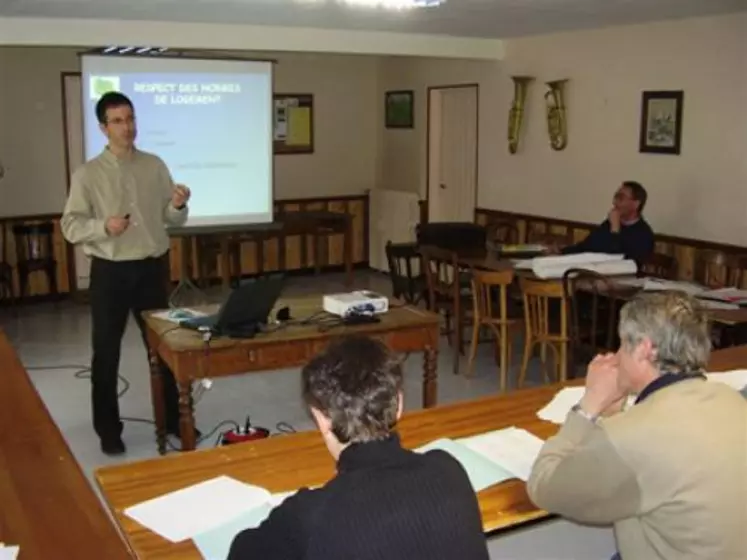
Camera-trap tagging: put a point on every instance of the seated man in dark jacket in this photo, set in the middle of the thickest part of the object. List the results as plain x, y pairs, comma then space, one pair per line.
624, 231
385, 502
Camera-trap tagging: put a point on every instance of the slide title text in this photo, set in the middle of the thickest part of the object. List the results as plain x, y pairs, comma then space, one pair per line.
169, 93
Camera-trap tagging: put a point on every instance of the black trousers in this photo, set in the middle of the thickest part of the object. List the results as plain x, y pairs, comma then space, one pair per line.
118, 288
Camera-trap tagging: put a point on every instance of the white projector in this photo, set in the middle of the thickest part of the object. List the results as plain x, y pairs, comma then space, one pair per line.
355, 303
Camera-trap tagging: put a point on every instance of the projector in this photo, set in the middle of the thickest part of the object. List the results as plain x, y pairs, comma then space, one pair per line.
355, 303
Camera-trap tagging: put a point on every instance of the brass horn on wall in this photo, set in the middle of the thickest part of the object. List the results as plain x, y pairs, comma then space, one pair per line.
557, 125
516, 114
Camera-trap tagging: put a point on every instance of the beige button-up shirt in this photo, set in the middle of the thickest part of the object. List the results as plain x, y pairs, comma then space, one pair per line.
139, 185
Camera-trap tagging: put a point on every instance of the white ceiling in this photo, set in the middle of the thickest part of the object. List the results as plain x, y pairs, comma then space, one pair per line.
468, 18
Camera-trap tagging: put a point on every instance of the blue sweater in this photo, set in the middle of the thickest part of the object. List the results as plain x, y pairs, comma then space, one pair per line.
635, 241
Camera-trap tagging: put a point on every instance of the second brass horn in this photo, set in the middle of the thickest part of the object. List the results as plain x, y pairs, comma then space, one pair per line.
557, 126
516, 114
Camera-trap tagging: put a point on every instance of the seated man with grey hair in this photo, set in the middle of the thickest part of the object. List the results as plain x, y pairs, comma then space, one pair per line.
669, 473
385, 502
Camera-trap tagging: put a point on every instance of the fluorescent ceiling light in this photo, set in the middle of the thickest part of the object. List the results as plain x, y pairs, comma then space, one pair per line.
386, 4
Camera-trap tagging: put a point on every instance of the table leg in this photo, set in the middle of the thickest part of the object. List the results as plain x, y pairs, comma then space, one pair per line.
430, 379
186, 417
156, 391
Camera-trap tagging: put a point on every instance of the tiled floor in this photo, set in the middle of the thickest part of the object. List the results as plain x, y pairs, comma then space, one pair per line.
54, 344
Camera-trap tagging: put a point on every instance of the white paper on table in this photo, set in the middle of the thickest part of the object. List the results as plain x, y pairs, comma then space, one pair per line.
557, 409
512, 448
732, 295
659, 285
187, 512
9, 552
713, 304
736, 379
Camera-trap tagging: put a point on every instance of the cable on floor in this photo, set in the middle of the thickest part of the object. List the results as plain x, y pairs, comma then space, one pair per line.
84, 372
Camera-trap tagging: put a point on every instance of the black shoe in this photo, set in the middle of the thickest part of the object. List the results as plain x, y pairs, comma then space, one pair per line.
113, 446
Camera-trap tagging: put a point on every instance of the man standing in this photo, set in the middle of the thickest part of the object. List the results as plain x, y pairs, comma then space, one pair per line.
119, 205
670, 473
624, 231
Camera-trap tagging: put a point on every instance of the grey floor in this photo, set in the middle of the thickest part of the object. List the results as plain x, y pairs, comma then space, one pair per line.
53, 342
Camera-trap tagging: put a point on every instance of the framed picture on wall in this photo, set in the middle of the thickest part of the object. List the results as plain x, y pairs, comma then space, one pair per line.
399, 109
661, 122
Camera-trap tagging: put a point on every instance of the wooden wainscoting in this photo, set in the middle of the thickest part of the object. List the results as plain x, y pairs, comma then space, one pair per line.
687, 252
38, 284
298, 250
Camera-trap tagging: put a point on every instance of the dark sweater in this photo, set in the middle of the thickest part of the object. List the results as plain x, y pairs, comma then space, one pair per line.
386, 503
635, 241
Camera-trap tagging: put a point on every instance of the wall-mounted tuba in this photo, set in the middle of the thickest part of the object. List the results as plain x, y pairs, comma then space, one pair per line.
516, 114
557, 126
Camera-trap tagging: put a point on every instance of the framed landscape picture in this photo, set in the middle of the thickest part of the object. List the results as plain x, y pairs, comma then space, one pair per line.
661, 122
399, 109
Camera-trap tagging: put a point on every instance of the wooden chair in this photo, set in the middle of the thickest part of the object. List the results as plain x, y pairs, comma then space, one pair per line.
502, 232
448, 293
402, 259
35, 253
716, 269
484, 286
538, 297
550, 238
660, 265
594, 301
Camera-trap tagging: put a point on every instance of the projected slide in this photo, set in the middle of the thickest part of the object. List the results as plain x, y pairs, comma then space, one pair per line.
209, 120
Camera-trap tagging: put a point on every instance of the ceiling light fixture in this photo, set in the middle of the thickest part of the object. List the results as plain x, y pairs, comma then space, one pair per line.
385, 4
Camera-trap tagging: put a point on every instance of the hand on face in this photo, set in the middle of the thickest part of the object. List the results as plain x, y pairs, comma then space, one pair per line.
614, 218
180, 196
116, 225
602, 386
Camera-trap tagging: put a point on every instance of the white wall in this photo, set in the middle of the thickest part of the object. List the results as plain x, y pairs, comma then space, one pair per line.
347, 112
699, 194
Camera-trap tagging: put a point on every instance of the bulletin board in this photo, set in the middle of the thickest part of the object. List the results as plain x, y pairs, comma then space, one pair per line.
293, 123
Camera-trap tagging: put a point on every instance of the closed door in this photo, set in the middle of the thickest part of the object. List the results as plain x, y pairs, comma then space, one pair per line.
452, 154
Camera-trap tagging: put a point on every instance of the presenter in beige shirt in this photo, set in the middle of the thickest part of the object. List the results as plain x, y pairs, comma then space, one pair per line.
119, 206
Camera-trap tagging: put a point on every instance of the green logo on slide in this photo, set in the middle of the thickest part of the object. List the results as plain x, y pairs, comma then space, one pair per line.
99, 85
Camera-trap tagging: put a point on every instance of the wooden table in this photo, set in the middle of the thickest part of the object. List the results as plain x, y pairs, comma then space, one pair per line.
47, 506
404, 329
288, 462
490, 261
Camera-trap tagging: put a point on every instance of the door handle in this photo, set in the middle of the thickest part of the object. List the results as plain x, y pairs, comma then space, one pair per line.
442, 186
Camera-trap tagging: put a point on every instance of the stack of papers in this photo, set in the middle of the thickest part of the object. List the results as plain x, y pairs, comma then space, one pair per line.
492, 457
557, 409
8, 552
728, 295
557, 266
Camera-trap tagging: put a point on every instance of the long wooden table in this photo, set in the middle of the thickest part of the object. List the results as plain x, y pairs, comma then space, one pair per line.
47, 505
289, 462
404, 329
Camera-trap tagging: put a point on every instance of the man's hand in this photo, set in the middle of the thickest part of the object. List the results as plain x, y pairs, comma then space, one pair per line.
614, 218
180, 196
116, 225
602, 388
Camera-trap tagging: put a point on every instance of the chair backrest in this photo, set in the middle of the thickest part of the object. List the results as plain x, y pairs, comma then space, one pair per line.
441, 268
484, 282
716, 269
550, 237
584, 291
402, 258
502, 232
537, 296
34, 242
660, 265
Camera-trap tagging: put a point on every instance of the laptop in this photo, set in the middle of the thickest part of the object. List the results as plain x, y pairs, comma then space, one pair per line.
245, 310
